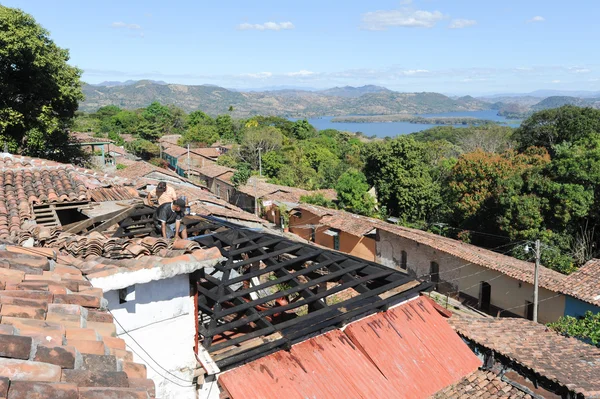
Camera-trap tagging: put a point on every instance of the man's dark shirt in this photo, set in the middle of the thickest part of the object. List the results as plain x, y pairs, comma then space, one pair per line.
165, 213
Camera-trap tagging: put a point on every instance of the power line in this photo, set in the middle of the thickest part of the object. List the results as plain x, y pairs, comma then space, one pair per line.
146, 352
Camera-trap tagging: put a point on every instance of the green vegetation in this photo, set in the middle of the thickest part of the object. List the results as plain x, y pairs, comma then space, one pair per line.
40, 90
486, 184
586, 328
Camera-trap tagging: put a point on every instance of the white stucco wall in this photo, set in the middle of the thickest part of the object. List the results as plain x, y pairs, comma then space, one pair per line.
161, 319
459, 275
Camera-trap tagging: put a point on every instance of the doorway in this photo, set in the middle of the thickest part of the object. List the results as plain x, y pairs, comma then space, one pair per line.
485, 296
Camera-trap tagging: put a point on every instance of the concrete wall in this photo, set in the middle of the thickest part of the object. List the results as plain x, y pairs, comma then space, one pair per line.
576, 308
161, 319
362, 247
459, 276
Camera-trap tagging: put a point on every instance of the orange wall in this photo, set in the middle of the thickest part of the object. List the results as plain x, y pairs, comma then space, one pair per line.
362, 247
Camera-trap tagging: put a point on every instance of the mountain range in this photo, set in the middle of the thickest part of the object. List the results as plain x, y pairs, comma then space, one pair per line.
293, 102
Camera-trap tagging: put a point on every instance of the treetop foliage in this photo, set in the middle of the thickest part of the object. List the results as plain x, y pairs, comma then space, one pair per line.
40, 90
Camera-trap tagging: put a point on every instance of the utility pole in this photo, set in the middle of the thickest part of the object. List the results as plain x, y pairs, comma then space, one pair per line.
188, 156
259, 162
255, 199
536, 280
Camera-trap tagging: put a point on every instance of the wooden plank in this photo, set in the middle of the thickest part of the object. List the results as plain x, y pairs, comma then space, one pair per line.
115, 219
208, 364
84, 224
253, 343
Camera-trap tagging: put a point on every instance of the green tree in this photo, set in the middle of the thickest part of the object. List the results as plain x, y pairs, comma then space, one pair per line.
302, 130
550, 127
200, 135
143, 148
352, 193
241, 175
586, 328
318, 199
199, 118
266, 138
225, 128
401, 172
39, 90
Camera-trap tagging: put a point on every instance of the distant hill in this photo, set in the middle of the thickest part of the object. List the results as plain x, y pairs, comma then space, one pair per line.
349, 91
366, 100
559, 101
126, 83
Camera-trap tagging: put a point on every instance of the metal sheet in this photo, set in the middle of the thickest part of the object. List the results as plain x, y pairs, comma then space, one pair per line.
407, 352
414, 348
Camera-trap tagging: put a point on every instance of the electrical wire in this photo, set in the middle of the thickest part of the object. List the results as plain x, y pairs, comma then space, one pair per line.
146, 352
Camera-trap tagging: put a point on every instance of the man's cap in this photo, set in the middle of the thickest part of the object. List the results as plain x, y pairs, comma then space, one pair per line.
179, 202
162, 185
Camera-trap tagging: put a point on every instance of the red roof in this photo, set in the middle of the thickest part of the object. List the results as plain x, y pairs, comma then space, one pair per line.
584, 284
407, 352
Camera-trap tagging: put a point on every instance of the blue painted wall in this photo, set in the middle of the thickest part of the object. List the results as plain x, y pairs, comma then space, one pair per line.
576, 308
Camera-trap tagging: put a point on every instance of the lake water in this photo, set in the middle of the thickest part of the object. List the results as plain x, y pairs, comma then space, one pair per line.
390, 129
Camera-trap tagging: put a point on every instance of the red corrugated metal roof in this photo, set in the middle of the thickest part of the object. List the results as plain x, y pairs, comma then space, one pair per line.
407, 352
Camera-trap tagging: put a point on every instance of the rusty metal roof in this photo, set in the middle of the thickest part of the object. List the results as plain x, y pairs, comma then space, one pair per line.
406, 352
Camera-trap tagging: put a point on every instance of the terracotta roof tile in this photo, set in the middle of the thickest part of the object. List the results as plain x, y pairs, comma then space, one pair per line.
512, 267
584, 284
61, 345
213, 170
480, 383
566, 361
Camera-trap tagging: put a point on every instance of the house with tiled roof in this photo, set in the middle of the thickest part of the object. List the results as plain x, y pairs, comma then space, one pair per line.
531, 357
51, 194
495, 283
422, 355
582, 290
58, 338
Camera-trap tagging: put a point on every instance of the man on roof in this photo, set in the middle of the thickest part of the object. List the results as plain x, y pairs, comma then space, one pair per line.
162, 192
168, 219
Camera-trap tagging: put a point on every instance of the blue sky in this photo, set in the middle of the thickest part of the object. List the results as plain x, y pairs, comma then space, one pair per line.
448, 46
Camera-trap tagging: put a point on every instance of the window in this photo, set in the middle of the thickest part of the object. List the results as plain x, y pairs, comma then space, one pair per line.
336, 242
403, 260
228, 195
313, 233
218, 193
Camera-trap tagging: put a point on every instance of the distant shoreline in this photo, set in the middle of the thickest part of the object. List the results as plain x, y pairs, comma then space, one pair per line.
451, 120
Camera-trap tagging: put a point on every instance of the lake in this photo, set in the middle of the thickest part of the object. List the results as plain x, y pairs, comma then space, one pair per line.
390, 129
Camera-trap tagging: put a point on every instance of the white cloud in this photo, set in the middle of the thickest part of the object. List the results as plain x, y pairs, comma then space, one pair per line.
580, 70
461, 23
405, 17
556, 81
537, 18
120, 25
259, 75
267, 26
411, 72
405, 2
301, 73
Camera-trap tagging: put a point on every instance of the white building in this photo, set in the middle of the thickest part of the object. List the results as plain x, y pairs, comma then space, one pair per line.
153, 304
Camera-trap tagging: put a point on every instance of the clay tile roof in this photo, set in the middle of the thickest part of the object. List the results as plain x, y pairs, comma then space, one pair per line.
57, 339
512, 267
566, 361
213, 170
139, 169
174, 150
208, 152
26, 182
584, 284
485, 384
